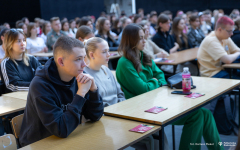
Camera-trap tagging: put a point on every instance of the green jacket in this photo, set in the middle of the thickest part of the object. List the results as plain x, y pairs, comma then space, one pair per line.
134, 83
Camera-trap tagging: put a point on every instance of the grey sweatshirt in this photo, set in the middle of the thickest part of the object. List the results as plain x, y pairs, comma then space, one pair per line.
108, 87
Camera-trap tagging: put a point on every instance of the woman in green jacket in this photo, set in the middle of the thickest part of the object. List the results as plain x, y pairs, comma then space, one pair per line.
137, 74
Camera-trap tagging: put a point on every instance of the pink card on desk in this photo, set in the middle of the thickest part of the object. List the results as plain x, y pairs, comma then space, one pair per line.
142, 128
113, 54
155, 110
169, 61
195, 95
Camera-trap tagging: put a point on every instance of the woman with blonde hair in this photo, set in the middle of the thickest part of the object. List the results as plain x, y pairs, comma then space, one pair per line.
97, 51
17, 68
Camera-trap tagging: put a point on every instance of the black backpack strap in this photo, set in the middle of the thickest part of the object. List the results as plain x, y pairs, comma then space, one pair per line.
229, 112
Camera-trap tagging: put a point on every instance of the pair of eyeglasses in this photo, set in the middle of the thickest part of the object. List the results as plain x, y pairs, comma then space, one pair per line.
228, 31
16, 29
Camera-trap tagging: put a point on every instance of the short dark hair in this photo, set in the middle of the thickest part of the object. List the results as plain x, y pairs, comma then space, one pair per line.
193, 18
84, 21
65, 45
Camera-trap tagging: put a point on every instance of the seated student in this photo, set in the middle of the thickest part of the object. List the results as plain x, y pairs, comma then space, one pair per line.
218, 48
162, 38
22, 26
137, 18
116, 27
35, 44
45, 29
84, 33
17, 68
236, 33
125, 21
184, 43
2, 51
138, 74
150, 47
65, 28
60, 95
55, 33
195, 35
153, 20
104, 28
179, 37
98, 53
72, 28
85, 21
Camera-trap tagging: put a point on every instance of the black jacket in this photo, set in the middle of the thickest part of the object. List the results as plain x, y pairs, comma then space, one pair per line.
163, 42
195, 38
18, 77
236, 37
113, 45
54, 108
183, 45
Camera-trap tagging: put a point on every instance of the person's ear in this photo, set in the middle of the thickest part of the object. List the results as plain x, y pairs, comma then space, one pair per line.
91, 55
80, 39
160, 24
2, 38
60, 61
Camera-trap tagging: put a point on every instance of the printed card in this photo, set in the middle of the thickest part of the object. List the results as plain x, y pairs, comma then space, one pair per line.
163, 60
142, 128
156, 110
169, 61
195, 95
113, 54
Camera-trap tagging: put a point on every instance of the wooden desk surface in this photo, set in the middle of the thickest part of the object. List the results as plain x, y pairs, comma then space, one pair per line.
10, 105
19, 95
49, 54
177, 104
181, 57
232, 66
107, 134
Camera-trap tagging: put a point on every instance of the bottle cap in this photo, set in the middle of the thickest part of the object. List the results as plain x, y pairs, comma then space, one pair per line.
185, 69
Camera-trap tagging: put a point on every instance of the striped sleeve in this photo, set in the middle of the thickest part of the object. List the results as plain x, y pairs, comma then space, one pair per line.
11, 77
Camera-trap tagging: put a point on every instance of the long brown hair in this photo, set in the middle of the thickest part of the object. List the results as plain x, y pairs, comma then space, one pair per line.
9, 38
101, 22
44, 27
176, 32
29, 28
127, 47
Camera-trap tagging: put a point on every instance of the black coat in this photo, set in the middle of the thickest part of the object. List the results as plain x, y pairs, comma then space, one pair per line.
162, 41
113, 45
183, 46
195, 38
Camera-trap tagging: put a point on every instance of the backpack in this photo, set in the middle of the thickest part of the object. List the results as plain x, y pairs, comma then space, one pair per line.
224, 113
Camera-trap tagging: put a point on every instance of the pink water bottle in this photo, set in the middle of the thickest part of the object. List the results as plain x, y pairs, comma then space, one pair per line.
186, 80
